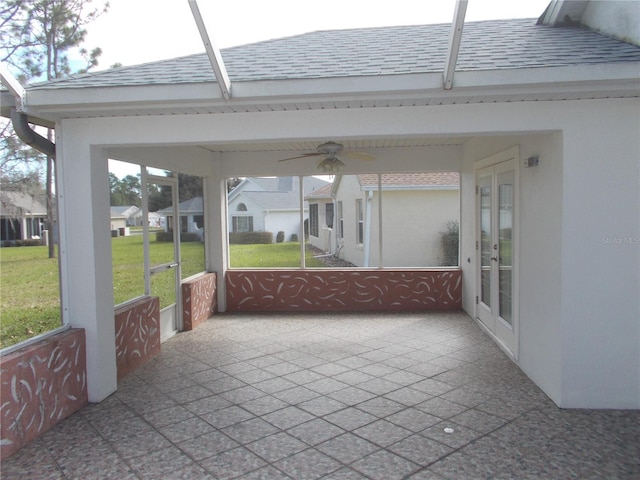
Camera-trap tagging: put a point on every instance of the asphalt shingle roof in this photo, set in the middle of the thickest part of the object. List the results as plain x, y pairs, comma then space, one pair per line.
21, 203
486, 45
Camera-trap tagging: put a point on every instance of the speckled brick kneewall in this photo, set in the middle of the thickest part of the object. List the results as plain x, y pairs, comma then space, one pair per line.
41, 385
198, 300
137, 333
334, 290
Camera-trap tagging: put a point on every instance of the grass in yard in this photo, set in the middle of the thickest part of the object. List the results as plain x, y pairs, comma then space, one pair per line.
274, 255
29, 293
128, 267
29, 283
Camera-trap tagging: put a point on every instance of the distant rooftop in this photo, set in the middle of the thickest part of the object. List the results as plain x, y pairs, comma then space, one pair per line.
411, 180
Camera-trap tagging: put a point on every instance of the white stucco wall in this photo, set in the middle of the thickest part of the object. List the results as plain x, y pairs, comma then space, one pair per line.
285, 221
579, 277
601, 256
540, 233
253, 210
412, 223
579, 252
349, 190
618, 18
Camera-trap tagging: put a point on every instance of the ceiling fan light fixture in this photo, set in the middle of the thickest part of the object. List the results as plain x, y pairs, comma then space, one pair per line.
331, 165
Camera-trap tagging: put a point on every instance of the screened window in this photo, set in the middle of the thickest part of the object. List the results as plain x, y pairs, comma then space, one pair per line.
329, 214
340, 221
313, 220
403, 220
359, 222
242, 223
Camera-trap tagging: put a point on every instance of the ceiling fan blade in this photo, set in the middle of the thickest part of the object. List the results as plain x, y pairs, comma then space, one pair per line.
359, 155
304, 155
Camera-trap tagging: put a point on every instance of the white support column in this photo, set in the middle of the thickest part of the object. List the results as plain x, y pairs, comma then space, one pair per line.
216, 229
85, 257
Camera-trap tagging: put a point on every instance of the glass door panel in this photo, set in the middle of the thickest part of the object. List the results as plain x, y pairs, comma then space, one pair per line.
496, 197
486, 235
505, 245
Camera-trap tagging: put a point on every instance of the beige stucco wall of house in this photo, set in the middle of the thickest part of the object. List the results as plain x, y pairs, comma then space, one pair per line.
413, 223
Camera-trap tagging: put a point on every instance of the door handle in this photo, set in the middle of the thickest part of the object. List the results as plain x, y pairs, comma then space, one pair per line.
495, 259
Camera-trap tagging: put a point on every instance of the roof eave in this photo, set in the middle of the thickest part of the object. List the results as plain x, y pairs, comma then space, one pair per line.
581, 81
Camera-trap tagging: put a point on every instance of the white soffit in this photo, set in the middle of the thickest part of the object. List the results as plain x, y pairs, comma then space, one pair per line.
349, 144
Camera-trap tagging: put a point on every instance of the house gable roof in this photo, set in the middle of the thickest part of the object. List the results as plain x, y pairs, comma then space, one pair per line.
276, 193
486, 45
126, 210
499, 60
17, 204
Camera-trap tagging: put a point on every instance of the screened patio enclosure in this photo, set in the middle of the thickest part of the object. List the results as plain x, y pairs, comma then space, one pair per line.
569, 256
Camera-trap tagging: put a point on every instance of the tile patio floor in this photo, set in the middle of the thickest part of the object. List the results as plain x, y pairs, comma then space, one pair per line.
336, 397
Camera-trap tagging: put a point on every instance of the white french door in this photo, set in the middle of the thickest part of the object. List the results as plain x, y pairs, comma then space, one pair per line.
496, 248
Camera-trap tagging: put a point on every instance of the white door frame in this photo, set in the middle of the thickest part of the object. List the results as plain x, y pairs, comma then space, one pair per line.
171, 315
505, 335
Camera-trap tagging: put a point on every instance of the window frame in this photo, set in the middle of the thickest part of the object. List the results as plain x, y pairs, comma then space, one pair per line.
314, 220
234, 223
359, 221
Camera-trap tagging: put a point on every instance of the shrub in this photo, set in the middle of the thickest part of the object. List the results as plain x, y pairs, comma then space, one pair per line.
189, 237
280, 237
450, 240
294, 237
248, 238
164, 236
184, 237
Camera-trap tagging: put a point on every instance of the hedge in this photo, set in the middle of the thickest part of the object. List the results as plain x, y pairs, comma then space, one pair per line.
249, 238
184, 237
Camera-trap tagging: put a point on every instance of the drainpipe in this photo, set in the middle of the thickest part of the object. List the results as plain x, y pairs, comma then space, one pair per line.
19, 118
30, 137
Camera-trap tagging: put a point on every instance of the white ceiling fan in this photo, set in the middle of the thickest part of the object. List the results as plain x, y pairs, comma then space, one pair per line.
331, 163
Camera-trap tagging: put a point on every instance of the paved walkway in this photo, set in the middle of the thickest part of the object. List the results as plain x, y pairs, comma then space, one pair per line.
419, 396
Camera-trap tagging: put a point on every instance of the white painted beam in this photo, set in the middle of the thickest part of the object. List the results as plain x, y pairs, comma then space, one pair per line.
12, 83
454, 43
215, 57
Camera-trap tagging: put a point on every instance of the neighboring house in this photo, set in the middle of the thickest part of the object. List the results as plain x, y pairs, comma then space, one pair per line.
118, 223
131, 213
539, 116
270, 204
22, 215
191, 216
416, 211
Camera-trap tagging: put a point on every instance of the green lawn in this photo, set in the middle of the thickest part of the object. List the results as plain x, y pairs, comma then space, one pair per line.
29, 291
274, 255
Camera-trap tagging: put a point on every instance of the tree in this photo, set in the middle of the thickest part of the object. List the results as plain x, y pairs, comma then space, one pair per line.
126, 191
189, 186
40, 36
19, 164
